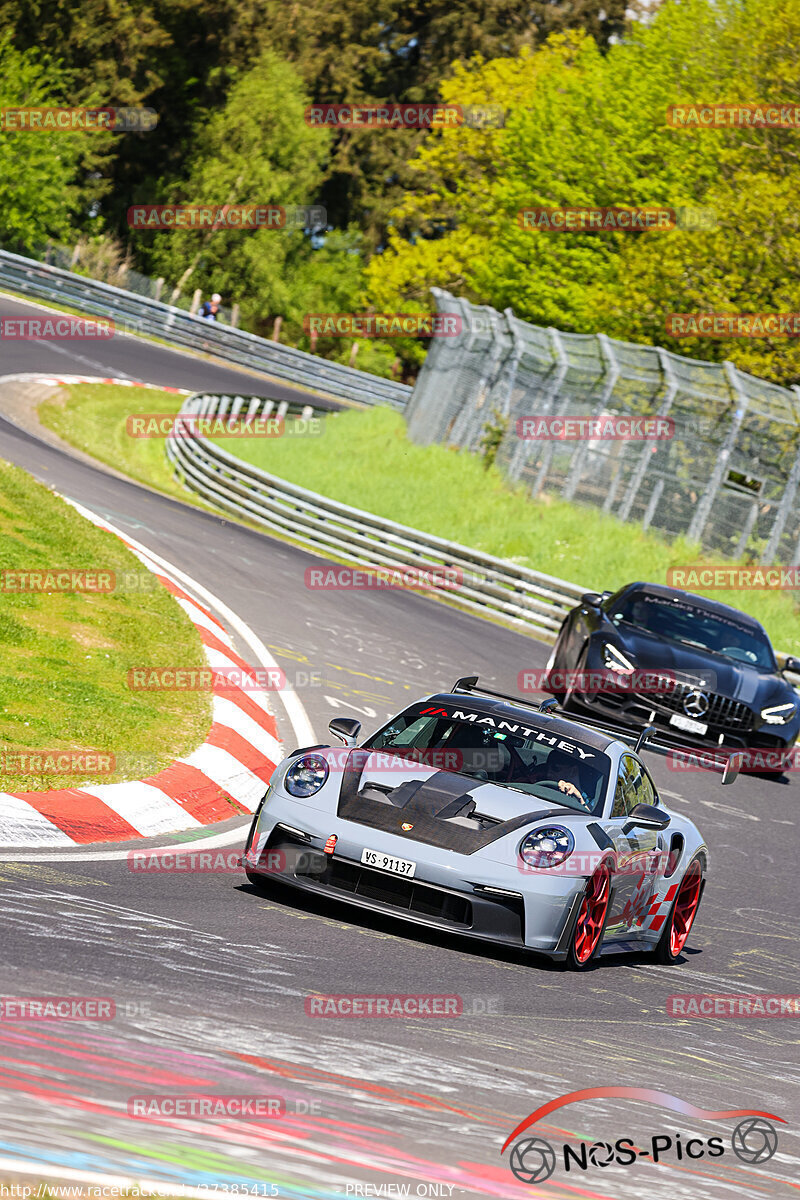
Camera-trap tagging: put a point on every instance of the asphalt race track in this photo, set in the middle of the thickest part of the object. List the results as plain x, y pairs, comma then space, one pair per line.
127, 357
210, 979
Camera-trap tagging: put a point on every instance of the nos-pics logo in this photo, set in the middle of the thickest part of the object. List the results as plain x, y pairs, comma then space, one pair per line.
533, 1159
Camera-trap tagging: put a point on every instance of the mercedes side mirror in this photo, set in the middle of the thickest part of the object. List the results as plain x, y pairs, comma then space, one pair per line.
732, 768
346, 729
648, 816
792, 664
593, 599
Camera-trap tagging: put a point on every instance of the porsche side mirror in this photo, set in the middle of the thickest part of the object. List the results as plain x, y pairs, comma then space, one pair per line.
592, 599
346, 729
792, 664
732, 768
648, 816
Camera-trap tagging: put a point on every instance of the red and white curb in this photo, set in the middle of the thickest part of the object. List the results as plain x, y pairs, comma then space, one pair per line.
225, 776
67, 380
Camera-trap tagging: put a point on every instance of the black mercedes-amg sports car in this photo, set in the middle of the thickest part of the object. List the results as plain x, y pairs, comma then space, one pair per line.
703, 673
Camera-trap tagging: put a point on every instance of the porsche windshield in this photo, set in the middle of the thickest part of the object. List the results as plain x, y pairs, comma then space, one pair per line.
690, 625
508, 753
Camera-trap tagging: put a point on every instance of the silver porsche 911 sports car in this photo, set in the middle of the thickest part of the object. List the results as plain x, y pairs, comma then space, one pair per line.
474, 812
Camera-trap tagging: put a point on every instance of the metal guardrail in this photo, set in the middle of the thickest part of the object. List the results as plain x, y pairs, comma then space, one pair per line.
179, 328
488, 586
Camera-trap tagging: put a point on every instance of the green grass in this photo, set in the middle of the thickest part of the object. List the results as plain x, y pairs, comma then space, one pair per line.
66, 655
363, 458
92, 417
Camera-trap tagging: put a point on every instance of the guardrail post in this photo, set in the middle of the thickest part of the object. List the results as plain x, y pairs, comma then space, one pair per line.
196, 298
235, 316
703, 510
158, 288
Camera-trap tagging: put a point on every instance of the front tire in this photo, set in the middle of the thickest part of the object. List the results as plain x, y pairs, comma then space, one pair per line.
682, 914
590, 924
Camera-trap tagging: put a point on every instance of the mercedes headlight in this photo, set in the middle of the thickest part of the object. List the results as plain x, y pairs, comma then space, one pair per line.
306, 775
779, 714
615, 660
546, 847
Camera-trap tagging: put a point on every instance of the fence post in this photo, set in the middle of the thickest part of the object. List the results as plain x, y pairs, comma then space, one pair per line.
235, 316
159, 287
76, 253
785, 507
703, 510
579, 457
196, 298
640, 470
553, 393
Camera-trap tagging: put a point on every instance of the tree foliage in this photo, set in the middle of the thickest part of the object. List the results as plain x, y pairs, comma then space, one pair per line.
587, 129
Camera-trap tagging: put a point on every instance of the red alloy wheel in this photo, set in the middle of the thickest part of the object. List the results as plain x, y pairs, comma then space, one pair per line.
685, 909
592, 915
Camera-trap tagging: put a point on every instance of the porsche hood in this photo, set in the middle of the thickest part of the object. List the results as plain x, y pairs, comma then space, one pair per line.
439, 808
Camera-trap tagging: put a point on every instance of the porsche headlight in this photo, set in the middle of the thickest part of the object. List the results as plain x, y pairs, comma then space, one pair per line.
779, 714
615, 660
546, 847
306, 775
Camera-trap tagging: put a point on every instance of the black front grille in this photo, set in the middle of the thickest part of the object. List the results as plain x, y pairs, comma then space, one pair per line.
405, 894
722, 712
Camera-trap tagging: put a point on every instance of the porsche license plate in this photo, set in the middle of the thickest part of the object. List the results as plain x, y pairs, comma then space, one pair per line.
688, 724
387, 862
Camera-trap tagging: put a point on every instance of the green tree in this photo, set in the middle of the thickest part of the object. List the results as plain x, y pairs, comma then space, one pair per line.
257, 150
587, 129
40, 196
